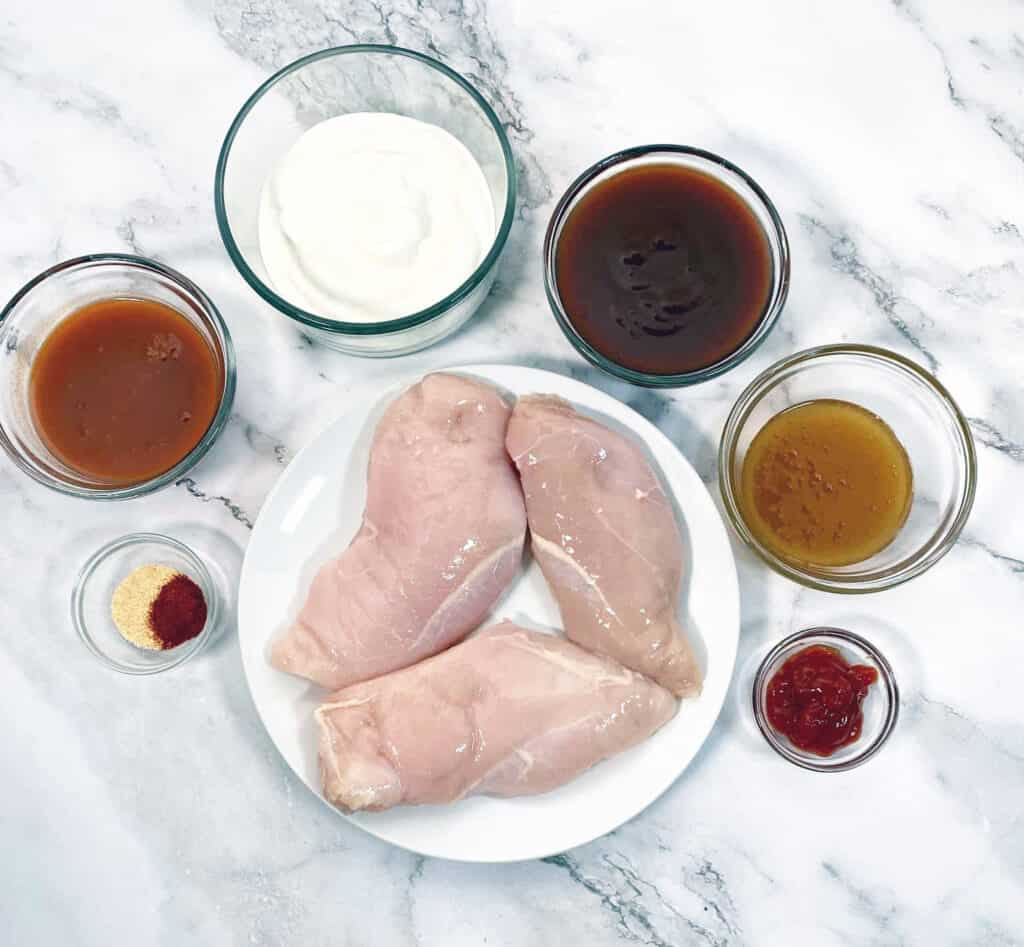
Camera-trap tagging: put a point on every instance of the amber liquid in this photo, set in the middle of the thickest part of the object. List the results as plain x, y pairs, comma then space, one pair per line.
663, 269
827, 483
122, 389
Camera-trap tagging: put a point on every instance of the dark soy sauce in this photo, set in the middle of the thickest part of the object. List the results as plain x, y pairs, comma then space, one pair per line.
663, 269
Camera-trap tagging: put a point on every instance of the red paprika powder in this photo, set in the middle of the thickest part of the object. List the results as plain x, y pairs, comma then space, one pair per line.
178, 613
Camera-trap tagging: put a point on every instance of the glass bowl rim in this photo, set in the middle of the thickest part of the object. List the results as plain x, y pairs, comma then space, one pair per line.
224, 345
887, 678
937, 544
402, 323
774, 305
206, 583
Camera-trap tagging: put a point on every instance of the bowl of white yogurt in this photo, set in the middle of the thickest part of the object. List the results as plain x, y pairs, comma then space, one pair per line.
367, 192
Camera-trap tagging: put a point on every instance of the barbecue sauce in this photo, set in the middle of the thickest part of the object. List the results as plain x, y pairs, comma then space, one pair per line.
123, 389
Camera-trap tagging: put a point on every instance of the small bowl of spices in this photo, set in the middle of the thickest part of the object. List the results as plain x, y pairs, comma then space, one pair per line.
144, 603
825, 699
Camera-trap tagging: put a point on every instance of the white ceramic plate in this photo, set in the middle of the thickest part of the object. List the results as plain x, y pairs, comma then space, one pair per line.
313, 512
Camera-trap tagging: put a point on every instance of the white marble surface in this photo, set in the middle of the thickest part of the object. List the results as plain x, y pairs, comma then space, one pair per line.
156, 811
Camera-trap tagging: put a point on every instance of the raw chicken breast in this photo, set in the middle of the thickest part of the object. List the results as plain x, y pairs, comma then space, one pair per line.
442, 537
606, 538
509, 712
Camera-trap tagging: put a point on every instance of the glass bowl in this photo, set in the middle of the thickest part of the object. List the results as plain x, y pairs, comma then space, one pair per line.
360, 79
922, 415
101, 574
881, 707
53, 295
741, 184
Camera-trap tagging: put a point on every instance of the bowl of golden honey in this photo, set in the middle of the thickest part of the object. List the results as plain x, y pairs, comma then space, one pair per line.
847, 468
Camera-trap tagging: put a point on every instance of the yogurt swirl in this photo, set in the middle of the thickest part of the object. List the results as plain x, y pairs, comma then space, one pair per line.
374, 216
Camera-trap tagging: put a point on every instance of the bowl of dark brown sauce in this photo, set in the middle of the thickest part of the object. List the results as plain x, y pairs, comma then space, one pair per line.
666, 265
117, 374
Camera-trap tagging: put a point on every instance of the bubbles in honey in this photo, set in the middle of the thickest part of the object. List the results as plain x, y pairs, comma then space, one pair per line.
827, 483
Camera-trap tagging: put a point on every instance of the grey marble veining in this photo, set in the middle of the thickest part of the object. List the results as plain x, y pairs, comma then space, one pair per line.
890, 136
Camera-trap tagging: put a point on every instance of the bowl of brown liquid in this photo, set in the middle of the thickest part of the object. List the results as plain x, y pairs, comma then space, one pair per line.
666, 265
116, 376
847, 468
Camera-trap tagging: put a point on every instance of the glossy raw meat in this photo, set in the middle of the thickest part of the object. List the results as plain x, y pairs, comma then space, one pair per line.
509, 712
606, 538
442, 537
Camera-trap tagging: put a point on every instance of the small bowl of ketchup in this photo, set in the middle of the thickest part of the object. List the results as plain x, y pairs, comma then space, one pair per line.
825, 699
117, 374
